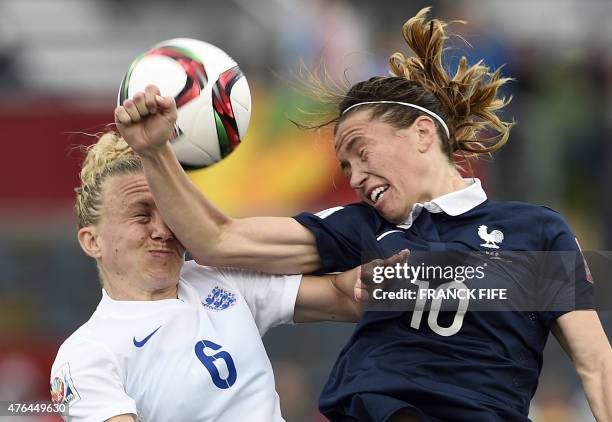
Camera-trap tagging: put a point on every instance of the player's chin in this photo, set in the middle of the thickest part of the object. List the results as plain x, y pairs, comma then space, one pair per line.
387, 209
165, 265
163, 277
390, 213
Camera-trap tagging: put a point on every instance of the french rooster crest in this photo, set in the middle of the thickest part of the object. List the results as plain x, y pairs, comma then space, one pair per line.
496, 236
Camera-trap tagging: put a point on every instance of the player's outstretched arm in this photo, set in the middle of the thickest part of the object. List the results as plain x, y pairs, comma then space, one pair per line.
582, 337
269, 244
339, 297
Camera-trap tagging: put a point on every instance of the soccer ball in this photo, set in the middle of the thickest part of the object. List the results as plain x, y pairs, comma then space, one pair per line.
211, 93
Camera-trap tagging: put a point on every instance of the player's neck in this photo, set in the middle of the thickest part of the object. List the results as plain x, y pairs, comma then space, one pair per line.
445, 181
121, 291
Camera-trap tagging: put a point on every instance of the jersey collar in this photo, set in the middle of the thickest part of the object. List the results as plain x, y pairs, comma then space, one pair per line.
453, 204
130, 308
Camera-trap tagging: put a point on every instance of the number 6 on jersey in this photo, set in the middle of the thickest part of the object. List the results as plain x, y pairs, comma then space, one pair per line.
208, 362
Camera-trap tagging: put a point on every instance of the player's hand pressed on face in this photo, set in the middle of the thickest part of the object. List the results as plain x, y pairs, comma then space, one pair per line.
147, 120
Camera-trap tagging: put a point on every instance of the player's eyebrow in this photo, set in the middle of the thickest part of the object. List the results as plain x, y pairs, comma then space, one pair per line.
350, 143
140, 204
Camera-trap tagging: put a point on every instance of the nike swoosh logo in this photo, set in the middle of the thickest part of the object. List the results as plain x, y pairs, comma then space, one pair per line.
144, 340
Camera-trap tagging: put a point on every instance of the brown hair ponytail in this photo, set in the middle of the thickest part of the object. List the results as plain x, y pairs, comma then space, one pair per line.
467, 101
469, 98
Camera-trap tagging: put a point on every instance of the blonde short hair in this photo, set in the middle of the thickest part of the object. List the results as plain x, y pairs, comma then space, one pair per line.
109, 156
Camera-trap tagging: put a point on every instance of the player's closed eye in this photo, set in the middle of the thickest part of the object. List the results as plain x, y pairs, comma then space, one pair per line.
346, 168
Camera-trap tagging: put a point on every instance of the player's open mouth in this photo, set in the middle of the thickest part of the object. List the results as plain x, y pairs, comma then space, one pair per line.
378, 193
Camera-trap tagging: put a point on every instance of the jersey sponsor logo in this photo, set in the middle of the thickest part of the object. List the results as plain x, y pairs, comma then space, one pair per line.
219, 299
587, 270
62, 387
144, 340
496, 236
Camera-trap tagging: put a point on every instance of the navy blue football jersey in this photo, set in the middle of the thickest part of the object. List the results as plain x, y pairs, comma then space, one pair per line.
483, 366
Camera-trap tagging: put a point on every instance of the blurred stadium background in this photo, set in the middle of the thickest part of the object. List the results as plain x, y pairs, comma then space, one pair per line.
61, 62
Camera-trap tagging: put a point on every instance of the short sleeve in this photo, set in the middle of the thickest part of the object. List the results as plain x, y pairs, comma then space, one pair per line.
271, 298
566, 283
86, 378
342, 235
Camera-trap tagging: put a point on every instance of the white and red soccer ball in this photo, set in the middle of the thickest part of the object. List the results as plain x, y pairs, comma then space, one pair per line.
211, 93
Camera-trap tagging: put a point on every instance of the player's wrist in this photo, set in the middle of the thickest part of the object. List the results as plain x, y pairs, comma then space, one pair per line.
156, 154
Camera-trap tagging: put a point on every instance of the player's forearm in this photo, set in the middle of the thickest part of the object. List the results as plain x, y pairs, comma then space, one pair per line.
344, 286
196, 222
607, 391
321, 299
598, 389
276, 245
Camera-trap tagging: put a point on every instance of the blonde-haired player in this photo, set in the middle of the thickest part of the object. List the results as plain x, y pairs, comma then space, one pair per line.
173, 340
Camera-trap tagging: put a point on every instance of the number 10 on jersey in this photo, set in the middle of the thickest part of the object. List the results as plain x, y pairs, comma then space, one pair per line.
434, 310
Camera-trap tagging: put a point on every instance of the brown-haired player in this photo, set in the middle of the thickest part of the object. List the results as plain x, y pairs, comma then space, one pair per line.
397, 139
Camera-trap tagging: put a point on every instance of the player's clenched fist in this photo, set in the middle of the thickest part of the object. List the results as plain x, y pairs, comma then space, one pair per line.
147, 120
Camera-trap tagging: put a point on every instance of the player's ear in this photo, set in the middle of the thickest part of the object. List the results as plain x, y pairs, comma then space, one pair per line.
426, 131
89, 241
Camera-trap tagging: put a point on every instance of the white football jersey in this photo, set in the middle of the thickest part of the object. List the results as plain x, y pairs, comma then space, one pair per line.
199, 357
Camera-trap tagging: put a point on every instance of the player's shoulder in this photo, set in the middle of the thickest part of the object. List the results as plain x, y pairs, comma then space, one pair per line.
545, 224
82, 335
551, 216
525, 210
86, 341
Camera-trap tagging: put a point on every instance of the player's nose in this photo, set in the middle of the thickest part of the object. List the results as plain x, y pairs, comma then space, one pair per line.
159, 229
358, 178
